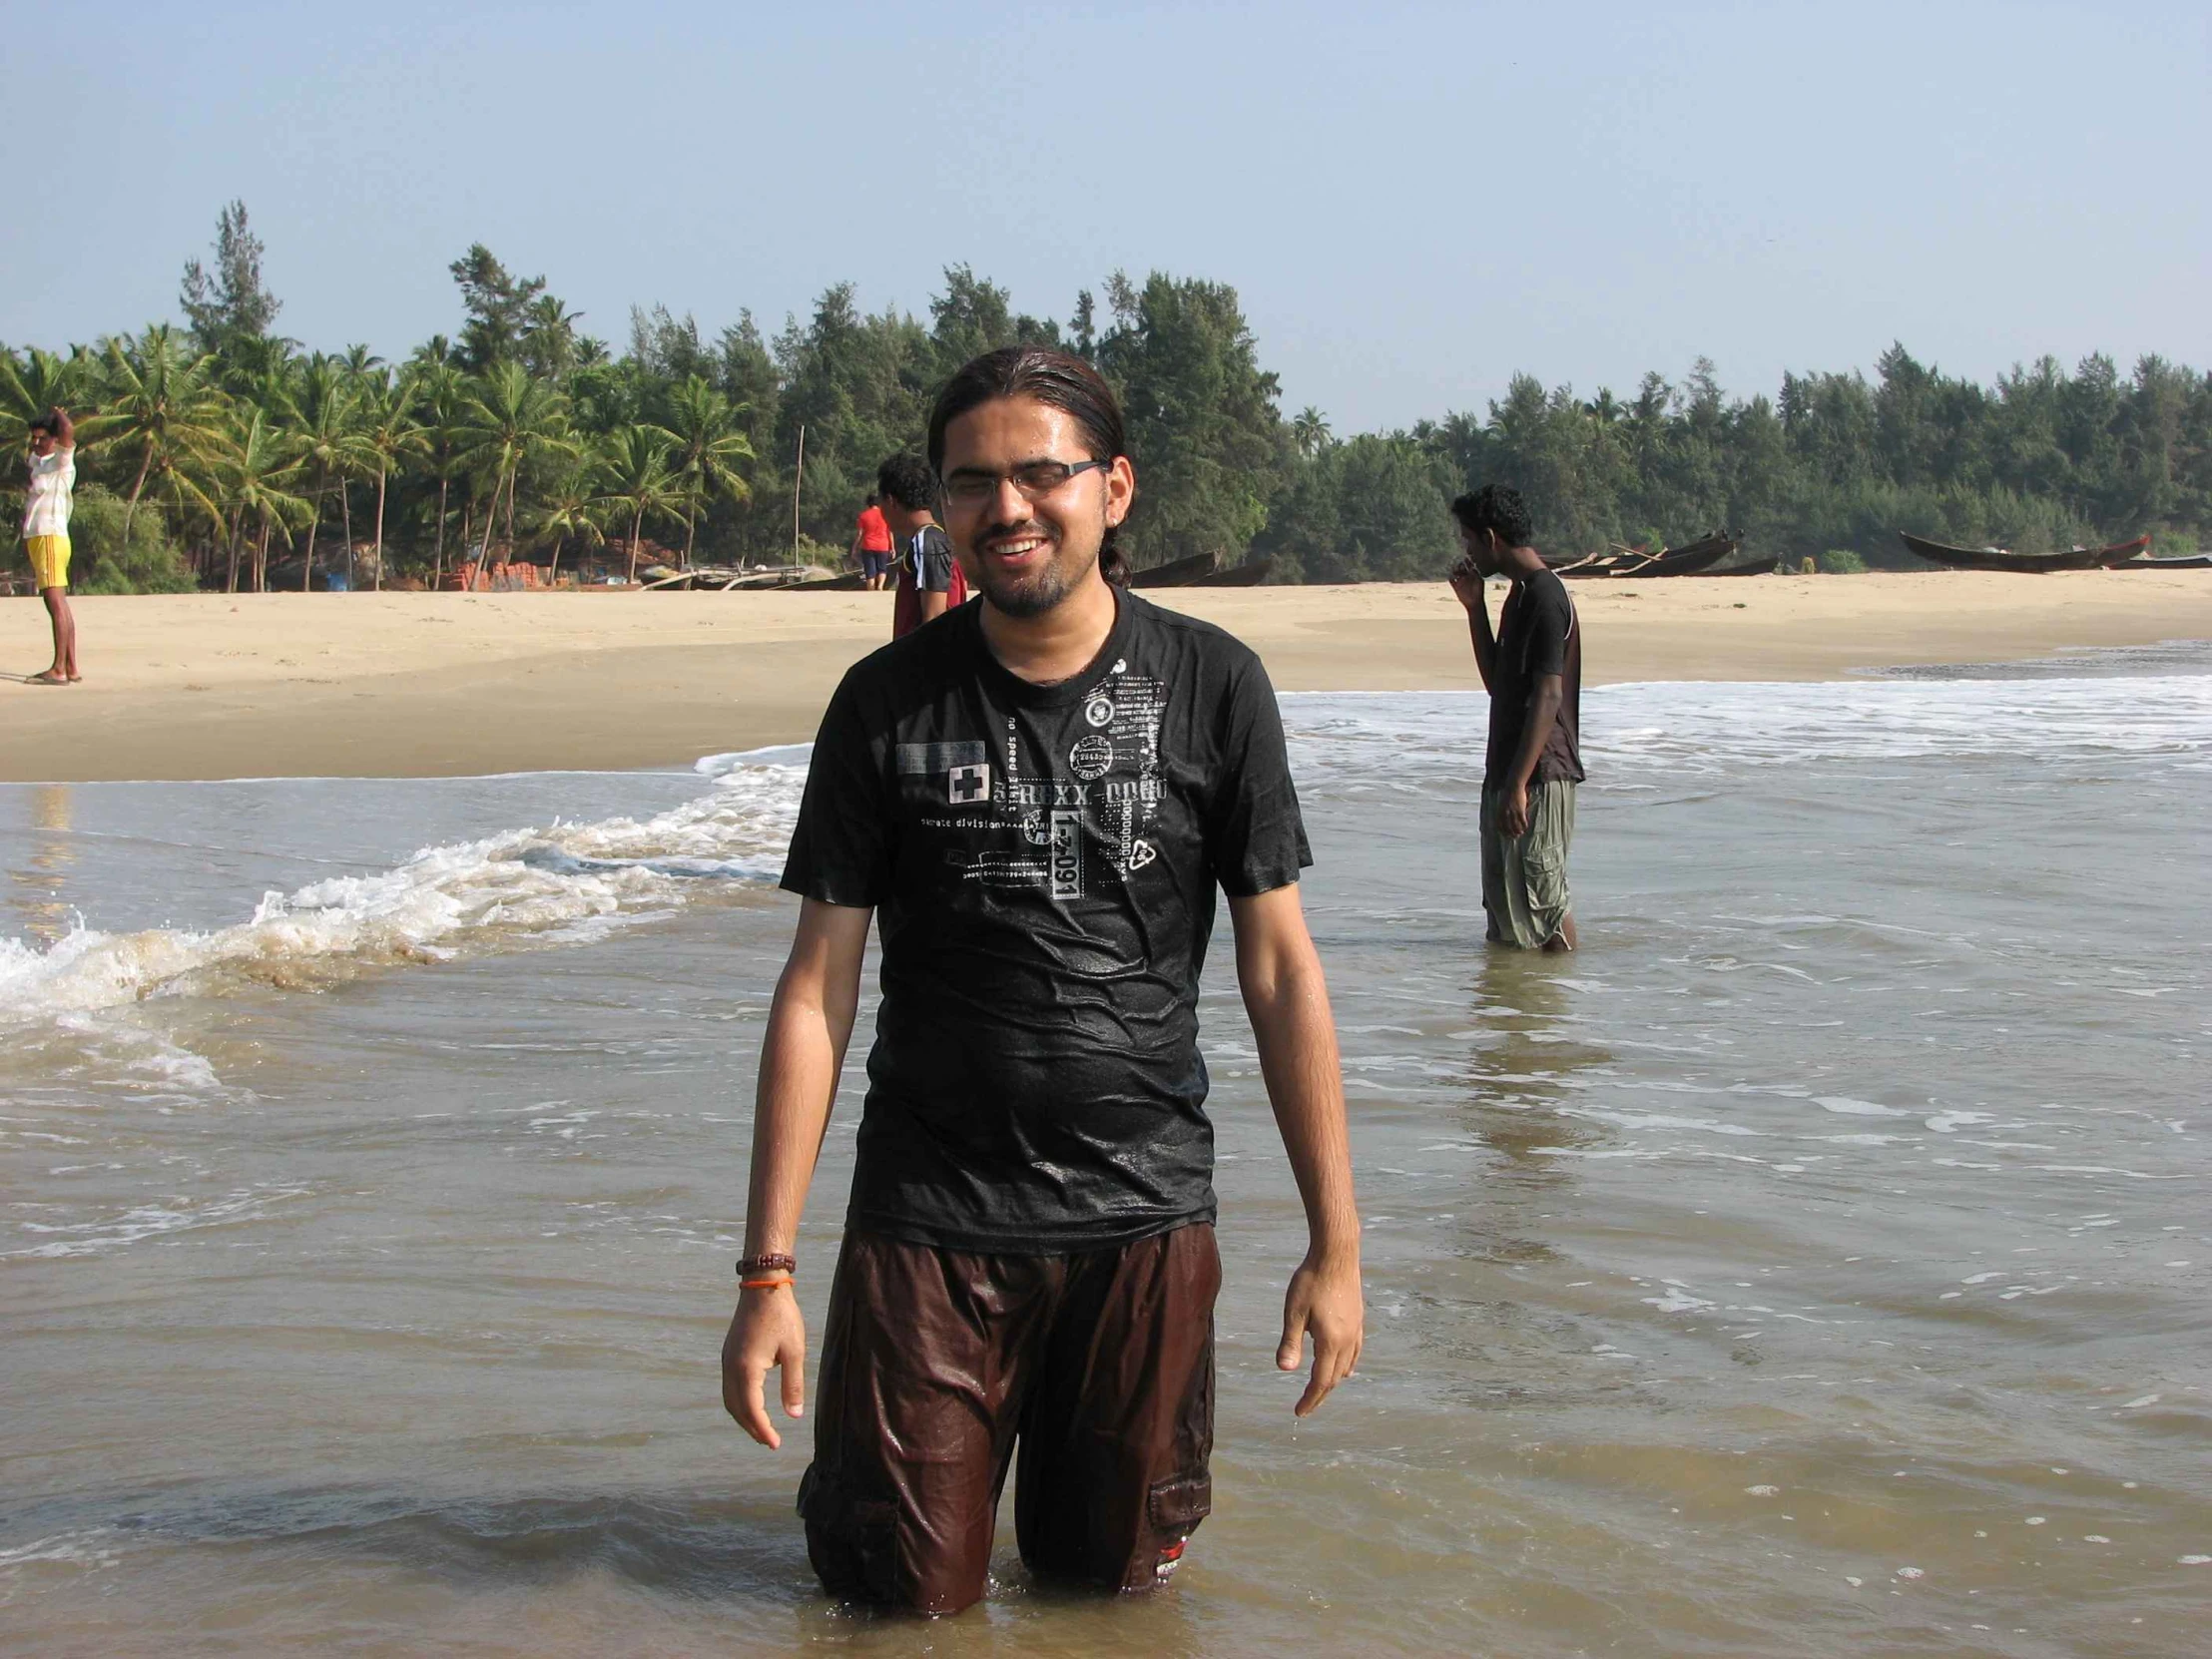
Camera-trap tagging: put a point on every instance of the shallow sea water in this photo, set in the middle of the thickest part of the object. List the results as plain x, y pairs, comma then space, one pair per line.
1816, 1264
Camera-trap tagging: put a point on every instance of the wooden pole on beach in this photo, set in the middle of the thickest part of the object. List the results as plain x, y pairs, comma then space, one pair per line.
799, 477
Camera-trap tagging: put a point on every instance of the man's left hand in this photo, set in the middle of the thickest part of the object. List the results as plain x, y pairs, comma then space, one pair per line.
1512, 811
1324, 1300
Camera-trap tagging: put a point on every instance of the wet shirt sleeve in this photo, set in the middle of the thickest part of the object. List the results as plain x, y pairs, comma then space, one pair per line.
840, 849
934, 567
1255, 835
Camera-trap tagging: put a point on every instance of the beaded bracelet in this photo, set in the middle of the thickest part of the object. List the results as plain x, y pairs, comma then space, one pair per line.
772, 1261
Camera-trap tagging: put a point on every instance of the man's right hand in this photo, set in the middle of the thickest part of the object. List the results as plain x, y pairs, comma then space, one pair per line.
767, 1331
1466, 582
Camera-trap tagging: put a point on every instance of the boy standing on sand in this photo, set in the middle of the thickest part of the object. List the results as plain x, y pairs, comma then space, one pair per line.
1533, 670
46, 503
1035, 797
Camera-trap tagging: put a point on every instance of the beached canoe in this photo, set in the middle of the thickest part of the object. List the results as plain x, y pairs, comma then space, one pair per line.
1757, 567
1236, 576
1999, 558
1588, 564
2120, 552
2182, 561
1686, 560
1177, 574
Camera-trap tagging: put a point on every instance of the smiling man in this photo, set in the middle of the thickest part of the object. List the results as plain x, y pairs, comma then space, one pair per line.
1036, 796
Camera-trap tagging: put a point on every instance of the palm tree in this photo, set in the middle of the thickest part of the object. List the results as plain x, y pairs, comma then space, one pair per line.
634, 475
390, 437
572, 508
549, 336
257, 464
508, 421
320, 412
1309, 430
35, 384
708, 447
161, 404
439, 403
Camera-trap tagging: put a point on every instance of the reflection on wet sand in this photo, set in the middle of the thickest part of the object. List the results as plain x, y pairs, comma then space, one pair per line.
38, 882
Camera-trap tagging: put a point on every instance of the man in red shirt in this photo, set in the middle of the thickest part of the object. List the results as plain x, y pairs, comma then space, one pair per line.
872, 545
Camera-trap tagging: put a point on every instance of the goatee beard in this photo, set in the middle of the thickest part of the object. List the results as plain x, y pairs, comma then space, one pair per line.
1037, 593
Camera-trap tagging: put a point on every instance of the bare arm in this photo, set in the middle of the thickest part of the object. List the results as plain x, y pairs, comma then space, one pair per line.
932, 604
1466, 582
1287, 998
1543, 709
809, 1025
65, 435
1543, 712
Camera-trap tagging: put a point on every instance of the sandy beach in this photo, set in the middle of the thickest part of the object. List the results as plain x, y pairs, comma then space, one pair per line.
426, 684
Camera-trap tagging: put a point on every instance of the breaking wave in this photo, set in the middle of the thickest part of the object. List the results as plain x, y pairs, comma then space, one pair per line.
444, 901
569, 882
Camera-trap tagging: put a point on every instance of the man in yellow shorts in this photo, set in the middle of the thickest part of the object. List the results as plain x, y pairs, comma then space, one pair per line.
46, 504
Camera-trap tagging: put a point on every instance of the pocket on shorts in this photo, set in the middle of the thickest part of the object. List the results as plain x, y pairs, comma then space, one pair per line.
1179, 1504
852, 1540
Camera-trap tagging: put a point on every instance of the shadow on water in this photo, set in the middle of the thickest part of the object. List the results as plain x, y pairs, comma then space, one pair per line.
694, 1547
712, 1555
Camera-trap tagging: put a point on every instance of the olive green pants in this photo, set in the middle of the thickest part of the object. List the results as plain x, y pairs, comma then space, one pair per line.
1524, 877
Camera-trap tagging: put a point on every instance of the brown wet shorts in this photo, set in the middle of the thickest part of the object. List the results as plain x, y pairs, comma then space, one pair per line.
935, 1361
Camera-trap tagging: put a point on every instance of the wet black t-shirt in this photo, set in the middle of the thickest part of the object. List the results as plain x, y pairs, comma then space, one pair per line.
1537, 633
1042, 860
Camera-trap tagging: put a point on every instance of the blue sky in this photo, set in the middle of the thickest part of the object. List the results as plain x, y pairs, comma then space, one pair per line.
1414, 202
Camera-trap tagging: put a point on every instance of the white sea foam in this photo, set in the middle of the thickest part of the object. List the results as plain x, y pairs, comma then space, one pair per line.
1645, 730
571, 882
444, 901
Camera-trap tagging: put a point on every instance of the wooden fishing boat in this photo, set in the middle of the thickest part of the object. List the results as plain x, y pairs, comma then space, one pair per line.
1686, 560
1176, 574
2180, 561
1757, 567
1249, 575
1585, 564
1998, 558
2123, 551
849, 581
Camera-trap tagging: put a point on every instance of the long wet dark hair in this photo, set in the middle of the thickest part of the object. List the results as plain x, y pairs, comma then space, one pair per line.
1059, 380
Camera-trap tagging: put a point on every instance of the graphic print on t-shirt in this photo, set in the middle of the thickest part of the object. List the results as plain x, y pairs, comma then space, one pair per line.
1079, 818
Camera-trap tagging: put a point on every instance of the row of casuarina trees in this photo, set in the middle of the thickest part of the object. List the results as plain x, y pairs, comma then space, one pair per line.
262, 447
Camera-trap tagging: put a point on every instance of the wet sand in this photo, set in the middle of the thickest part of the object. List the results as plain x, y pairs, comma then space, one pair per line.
424, 685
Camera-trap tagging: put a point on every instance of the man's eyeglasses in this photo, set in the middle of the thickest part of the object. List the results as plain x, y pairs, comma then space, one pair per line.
969, 487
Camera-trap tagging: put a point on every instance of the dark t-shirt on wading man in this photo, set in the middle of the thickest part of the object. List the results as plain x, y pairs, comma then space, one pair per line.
1042, 860
1538, 635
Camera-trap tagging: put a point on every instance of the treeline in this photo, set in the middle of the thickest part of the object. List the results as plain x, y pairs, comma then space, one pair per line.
217, 452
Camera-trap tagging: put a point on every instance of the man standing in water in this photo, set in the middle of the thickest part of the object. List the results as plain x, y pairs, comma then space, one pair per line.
1533, 670
1038, 796
930, 580
46, 503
